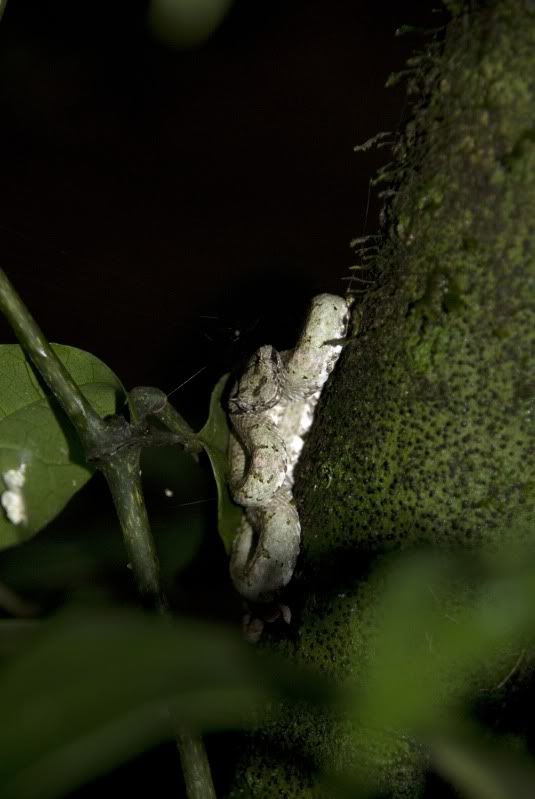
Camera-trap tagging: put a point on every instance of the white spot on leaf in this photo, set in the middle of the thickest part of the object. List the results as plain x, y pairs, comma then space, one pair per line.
12, 499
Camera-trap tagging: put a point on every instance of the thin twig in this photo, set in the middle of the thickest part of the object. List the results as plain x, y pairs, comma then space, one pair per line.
150, 402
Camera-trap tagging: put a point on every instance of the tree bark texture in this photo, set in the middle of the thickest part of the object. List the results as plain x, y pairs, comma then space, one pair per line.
426, 433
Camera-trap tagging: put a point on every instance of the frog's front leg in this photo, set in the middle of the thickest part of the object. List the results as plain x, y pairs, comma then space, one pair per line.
258, 459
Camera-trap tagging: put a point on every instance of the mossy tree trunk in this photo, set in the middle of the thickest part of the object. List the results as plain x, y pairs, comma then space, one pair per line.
426, 434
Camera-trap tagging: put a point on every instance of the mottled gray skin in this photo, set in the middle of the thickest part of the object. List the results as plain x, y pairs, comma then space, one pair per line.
258, 469
271, 409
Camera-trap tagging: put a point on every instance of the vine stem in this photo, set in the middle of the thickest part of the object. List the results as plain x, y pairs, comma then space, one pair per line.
85, 419
119, 461
122, 472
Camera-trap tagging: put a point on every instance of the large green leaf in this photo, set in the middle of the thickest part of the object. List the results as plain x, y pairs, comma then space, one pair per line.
38, 440
214, 438
92, 688
448, 625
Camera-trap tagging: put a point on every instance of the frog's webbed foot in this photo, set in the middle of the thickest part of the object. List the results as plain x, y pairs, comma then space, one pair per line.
256, 617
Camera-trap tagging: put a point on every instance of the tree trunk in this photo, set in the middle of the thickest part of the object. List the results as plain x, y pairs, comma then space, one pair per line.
425, 434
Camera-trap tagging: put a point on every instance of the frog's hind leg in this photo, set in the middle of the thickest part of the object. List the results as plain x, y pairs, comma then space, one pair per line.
265, 549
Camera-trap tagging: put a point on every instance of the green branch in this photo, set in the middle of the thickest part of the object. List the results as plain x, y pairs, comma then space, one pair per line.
196, 768
122, 472
114, 446
89, 426
149, 402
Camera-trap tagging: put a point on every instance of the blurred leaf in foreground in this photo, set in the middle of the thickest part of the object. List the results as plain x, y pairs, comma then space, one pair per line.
450, 629
38, 445
186, 23
484, 773
91, 690
441, 623
14, 632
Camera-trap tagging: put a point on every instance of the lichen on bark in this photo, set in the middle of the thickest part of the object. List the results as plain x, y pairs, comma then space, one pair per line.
426, 434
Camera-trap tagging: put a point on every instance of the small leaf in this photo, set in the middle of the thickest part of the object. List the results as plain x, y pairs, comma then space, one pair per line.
38, 443
214, 438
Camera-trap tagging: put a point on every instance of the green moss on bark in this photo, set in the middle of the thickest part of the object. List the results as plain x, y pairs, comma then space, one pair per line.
427, 433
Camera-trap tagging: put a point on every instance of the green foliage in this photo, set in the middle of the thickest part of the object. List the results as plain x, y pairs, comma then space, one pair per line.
87, 690
453, 634
442, 639
444, 624
490, 772
214, 438
418, 648
81, 546
186, 23
437, 628
35, 434
93, 688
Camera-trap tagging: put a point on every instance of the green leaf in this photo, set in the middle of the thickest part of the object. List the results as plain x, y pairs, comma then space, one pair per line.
92, 688
214, 438
14, 633
38, 441
186, 23
480, 771
447, 628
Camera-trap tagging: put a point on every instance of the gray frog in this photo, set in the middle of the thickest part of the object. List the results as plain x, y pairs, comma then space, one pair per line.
271, 408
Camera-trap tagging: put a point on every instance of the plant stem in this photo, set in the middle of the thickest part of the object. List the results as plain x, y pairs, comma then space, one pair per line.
152, 402
118, 457
123, 475
86, 420
197, 776
122, 472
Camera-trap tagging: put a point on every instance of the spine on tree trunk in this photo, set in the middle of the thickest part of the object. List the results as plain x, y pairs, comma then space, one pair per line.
426, 434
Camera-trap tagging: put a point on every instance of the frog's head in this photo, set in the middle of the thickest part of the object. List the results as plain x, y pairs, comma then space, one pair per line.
259, 387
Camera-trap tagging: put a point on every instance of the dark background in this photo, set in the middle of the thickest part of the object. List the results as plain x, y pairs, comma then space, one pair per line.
170, 210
